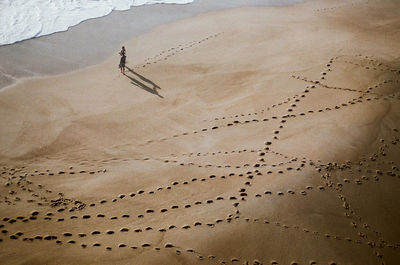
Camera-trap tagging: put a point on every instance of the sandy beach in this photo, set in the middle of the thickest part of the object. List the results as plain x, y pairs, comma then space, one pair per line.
94, 40
253, 135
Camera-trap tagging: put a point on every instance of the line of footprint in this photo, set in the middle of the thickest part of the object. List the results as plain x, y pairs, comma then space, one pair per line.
215, 153
167, 54
396, 71
247, 165
379, 255
321, 187
337, 186
307, 90
50, 215
350, 213
290, 110
19, 186
296, 98
262, 111
219, 221
341, 6
287, 100
234, 123
332, 108
140, 192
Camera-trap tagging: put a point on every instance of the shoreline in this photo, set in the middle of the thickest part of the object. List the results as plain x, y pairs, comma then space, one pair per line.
82, 46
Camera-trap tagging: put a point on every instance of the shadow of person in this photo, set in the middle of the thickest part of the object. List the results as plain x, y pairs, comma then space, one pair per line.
144, 83
144, 79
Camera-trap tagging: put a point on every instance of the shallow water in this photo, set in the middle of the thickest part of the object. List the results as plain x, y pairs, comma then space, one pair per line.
22, 19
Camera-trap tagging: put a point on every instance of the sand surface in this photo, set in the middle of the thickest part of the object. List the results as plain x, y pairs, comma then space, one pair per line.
94, 40
259, 135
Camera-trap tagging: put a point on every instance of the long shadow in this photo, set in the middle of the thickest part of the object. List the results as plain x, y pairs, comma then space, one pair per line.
142, 85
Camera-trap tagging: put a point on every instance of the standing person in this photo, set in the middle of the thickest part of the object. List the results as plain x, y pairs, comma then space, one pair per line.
123, 60
123, 51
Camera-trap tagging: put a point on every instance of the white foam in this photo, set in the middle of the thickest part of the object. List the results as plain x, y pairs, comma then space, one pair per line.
25, 19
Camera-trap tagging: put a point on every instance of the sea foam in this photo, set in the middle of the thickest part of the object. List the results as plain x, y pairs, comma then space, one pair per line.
25, 19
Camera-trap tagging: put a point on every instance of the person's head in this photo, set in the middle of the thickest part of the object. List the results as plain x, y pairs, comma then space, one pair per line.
123, 48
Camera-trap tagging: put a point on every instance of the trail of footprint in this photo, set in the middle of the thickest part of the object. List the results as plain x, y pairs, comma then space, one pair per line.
328, 183
235, 123
350, 213
318, 83
262, 111
215, 153
289, 115
341, 6
22, 187
166, 54
397, 71
173, 184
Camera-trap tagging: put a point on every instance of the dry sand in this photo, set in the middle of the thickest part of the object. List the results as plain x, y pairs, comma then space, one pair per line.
264, 135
